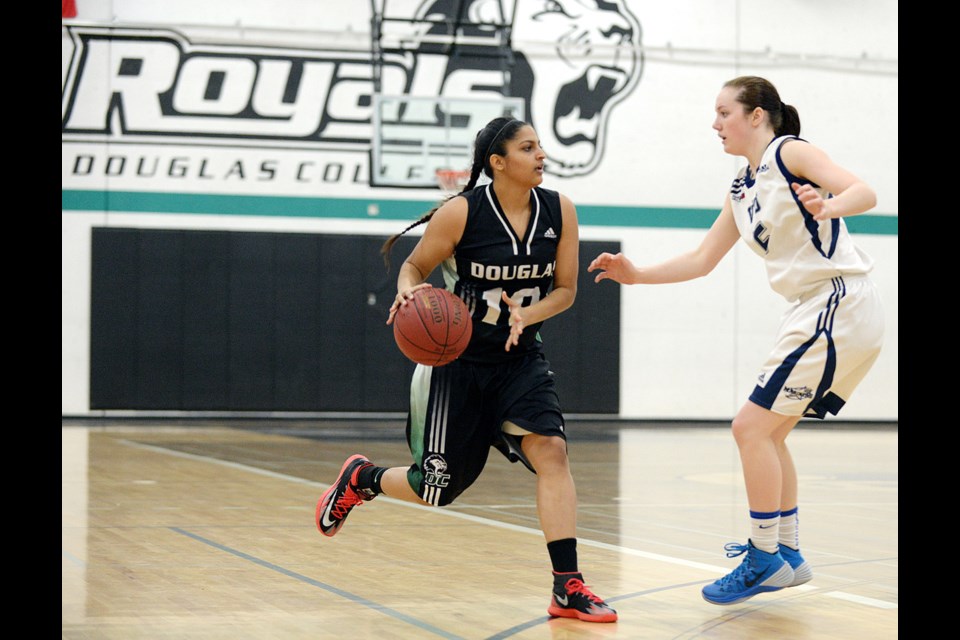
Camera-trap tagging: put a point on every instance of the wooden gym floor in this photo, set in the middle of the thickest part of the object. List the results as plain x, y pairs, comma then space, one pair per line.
207, 531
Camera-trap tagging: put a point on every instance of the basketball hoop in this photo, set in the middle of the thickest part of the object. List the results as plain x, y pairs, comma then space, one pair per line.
452, 180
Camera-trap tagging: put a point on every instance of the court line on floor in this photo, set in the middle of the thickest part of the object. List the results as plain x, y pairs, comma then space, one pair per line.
420, 624
870, 602
501, 525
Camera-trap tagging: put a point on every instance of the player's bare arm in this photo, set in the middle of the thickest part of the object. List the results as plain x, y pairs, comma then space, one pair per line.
436, 245
852, 196
687, 266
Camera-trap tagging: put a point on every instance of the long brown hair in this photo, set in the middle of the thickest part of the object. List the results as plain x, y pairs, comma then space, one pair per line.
491, 140
760, 92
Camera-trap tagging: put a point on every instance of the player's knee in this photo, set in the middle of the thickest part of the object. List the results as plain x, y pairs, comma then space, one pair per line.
741, 430
546, 453
748, 431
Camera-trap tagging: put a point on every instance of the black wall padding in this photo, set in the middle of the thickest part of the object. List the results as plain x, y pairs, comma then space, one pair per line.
290, 322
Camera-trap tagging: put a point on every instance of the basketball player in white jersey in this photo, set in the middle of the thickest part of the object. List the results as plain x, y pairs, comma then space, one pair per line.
788, 205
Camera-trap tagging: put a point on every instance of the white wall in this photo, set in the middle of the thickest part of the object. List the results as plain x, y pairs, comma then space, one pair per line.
689, 350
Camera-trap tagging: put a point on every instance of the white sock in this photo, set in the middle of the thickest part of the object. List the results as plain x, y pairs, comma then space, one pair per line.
765, 530
790, 528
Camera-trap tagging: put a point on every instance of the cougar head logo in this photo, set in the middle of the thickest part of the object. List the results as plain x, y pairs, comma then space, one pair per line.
435, 463
597, 46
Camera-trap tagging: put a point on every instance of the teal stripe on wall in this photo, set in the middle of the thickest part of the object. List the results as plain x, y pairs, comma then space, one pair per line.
298, 207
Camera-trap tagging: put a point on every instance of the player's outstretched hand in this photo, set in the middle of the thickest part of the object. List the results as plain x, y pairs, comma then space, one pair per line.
516, 321
613, 267
812, 201
403, 297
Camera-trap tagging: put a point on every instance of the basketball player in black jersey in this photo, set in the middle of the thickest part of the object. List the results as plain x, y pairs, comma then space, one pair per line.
510, 250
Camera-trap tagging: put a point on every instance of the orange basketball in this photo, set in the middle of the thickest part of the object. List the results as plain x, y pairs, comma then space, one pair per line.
433, 328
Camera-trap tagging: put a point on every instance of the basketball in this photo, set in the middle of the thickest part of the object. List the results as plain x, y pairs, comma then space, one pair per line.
433, 328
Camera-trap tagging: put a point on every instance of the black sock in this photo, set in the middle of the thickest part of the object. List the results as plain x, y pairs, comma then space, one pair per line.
369, 478
563, 555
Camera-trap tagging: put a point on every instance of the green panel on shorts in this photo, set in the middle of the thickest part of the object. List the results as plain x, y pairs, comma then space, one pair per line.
419, 401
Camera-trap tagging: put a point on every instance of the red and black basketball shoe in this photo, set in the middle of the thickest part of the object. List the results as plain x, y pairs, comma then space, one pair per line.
335, 504
572, 599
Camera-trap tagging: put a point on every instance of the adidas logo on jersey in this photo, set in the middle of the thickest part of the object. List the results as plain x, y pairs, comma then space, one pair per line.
549, 233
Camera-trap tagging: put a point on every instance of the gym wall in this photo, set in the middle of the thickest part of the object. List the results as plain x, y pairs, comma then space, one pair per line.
169, 139
254, 322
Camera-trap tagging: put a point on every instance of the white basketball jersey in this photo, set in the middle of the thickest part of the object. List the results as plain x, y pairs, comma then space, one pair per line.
800, 253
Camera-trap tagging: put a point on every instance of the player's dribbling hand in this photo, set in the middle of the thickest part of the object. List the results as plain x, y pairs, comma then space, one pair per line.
516, 322
403, 297
613, 267
813, 202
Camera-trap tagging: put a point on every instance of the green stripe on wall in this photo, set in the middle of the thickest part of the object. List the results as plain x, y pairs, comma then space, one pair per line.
299, 207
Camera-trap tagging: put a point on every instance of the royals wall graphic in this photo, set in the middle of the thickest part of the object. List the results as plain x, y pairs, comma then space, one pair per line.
158, 109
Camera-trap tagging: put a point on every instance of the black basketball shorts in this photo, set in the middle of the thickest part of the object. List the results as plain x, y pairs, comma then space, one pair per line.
457, 412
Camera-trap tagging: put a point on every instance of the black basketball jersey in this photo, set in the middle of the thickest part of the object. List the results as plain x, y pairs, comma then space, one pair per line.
491, 259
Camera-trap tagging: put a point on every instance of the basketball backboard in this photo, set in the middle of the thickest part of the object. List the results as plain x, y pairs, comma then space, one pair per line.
413, 137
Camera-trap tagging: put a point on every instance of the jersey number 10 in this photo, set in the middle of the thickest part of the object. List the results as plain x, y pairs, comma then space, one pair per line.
496, 308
